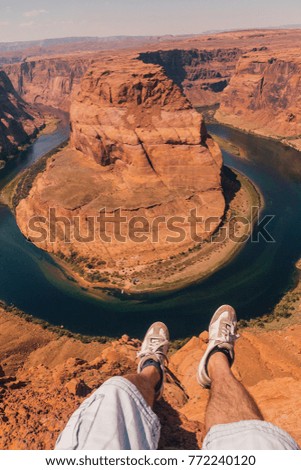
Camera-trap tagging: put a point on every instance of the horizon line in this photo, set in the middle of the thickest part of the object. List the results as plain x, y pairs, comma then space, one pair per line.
218, 31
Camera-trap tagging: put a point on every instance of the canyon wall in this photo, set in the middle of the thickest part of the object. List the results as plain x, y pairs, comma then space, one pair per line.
264, 95
253, 75
201, 65
137, 146
48, 81
19, 122
203, 74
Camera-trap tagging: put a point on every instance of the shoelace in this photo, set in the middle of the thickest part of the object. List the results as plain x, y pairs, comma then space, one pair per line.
154, 348
228, 333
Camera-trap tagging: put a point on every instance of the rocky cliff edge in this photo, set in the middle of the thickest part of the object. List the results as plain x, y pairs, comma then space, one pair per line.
44, 377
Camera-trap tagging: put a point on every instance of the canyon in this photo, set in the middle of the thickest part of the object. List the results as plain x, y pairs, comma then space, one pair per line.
138, 145
128, 112
224, 69
132, 121
47, 73
252, 77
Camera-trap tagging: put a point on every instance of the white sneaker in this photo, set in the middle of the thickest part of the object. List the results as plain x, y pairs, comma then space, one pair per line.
222, 336
155, 346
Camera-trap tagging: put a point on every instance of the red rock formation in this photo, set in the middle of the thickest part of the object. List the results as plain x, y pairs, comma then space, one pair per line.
19, 122
140, 147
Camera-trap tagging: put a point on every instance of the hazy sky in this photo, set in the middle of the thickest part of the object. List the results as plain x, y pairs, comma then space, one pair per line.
37, 19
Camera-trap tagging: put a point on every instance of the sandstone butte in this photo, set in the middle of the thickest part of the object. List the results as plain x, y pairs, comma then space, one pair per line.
137, 145
44, 378
19, 121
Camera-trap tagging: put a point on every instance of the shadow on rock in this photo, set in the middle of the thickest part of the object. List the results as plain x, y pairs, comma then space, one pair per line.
176, 431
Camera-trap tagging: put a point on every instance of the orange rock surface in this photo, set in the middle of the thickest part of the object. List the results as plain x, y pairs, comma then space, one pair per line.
44, 378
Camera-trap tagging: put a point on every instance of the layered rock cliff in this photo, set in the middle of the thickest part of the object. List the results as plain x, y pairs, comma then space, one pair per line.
203, 74
264, 95
202, 65
44, 377
48, 81
138, 147
19, 122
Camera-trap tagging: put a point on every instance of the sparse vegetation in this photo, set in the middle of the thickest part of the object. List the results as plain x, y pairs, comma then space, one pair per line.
58, 330
282, 313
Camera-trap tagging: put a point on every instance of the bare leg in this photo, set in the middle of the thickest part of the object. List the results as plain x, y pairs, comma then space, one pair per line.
229, 401
146, 383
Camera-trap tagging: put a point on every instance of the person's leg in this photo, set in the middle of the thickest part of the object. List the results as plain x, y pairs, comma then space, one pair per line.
233, 420
118, 414
146, 382
229, 401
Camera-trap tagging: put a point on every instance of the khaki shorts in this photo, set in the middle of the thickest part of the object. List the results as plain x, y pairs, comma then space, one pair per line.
248, 435
114, 417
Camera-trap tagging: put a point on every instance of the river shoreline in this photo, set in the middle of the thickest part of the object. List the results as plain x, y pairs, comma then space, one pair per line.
209, 114
285, 141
